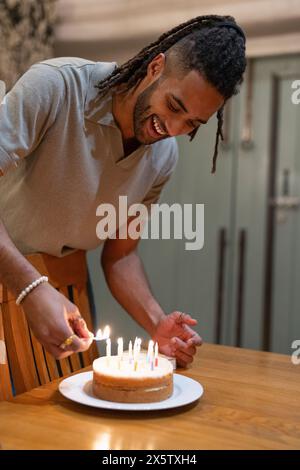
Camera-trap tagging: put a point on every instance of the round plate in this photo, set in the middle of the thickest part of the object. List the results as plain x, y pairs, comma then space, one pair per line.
79, 389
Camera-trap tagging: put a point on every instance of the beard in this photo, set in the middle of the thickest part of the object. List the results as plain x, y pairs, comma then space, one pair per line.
141, 113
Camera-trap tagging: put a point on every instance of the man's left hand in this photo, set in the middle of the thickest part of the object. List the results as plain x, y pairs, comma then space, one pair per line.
176, 338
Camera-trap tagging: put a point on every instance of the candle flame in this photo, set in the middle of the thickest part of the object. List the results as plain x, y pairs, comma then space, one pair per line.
99, 334
106, 332
103, 334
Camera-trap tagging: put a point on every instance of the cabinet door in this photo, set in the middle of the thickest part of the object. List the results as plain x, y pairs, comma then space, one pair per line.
270, 267
285, 320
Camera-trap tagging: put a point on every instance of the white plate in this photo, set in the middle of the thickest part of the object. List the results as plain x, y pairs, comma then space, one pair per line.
79, 388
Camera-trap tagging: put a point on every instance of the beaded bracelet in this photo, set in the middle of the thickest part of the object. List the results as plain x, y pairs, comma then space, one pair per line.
30, 288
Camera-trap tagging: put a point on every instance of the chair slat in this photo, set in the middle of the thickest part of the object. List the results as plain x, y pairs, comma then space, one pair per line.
19, 347
73, 361
52, 366
5, 382
65, 366
40, 361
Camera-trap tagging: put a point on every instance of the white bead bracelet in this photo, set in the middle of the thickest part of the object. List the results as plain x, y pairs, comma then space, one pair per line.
30, 288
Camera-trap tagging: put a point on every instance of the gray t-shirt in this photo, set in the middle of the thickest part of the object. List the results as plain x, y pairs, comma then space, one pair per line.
74, 158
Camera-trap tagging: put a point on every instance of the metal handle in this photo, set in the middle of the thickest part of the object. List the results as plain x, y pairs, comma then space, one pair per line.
240, 286
285, 202
220, 284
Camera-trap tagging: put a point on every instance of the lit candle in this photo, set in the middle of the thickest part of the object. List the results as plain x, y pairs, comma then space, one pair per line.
108, 347
135, 346
150, 350
156, 355
130, 352
136, 349
139, 343
120, 348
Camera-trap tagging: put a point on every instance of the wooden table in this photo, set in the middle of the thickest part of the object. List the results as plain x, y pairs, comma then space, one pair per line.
251, 401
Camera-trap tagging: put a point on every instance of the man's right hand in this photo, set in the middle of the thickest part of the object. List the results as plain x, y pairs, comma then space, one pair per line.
53, 319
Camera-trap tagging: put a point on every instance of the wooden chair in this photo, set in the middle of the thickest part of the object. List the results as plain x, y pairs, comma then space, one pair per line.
28, 365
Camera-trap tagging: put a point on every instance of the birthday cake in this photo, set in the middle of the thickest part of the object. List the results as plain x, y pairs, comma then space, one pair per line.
128, 381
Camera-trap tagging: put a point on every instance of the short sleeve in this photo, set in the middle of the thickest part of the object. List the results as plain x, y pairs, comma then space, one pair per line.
27, 112
153, 196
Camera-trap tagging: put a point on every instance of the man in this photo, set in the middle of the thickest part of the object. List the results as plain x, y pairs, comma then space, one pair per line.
75, 134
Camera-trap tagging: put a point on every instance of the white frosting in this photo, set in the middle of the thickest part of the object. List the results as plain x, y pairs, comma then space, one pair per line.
112, 366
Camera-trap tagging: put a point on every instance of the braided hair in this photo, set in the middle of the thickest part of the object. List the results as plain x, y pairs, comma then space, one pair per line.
202, 44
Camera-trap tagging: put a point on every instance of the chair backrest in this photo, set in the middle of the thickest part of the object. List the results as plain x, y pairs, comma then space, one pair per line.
28, 364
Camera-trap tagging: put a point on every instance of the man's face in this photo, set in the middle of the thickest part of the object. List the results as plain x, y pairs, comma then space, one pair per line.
172, 106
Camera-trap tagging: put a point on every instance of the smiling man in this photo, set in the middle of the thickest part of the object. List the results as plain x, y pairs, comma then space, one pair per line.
75, 134
159, 105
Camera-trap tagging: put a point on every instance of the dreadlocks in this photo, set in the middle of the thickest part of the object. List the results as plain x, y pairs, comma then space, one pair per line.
213, 45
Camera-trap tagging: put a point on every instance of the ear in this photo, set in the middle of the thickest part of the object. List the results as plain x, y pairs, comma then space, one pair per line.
156, 66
